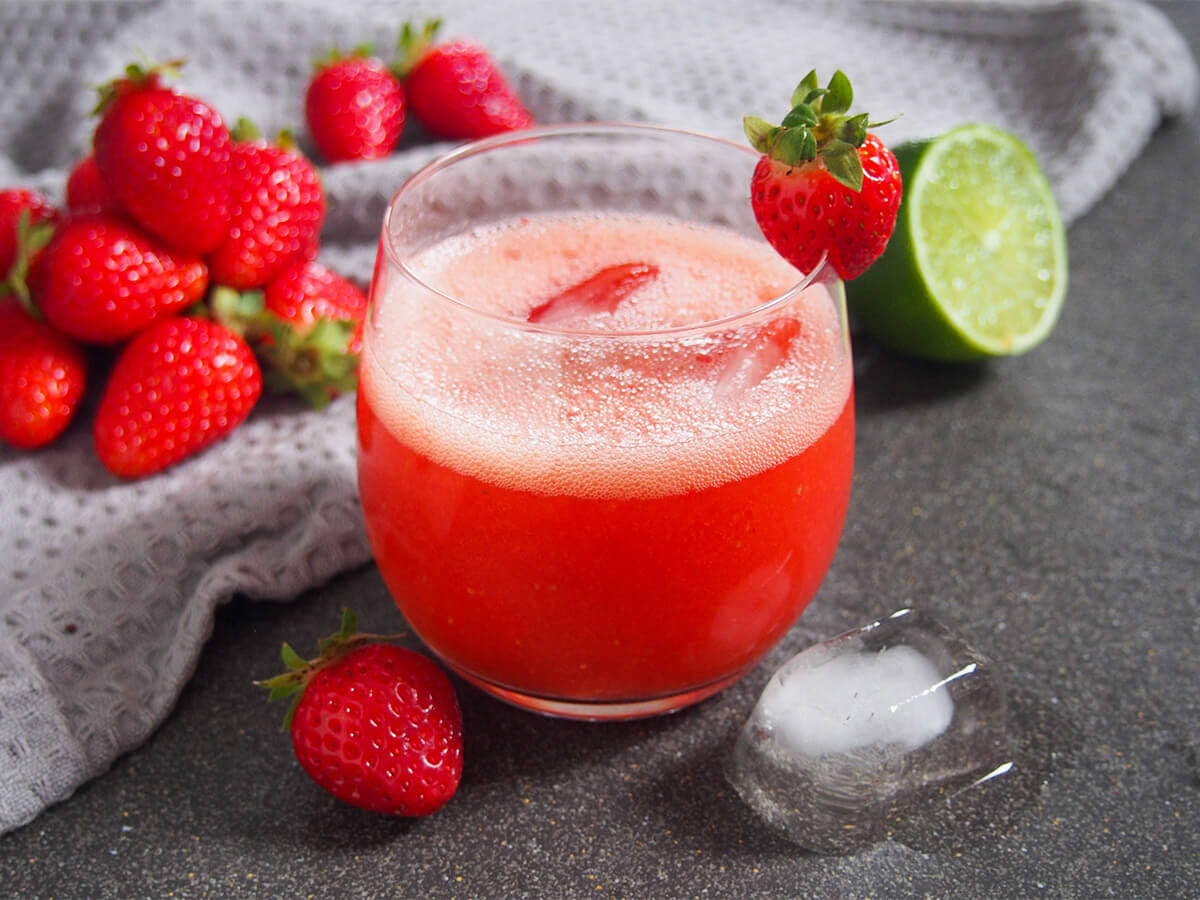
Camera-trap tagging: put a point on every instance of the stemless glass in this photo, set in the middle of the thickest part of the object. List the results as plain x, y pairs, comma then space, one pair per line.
587, 515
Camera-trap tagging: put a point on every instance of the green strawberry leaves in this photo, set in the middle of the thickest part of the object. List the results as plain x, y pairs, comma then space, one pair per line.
801, 115
843, 163
838, 95
314, 362
300, 670
413, 45
817, 127
138, 76
336, 55
31, 239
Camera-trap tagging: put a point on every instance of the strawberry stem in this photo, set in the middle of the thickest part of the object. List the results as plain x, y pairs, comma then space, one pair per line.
602, 291
413, 45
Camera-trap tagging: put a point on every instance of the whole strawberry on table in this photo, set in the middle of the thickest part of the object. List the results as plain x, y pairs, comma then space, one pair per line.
376, 725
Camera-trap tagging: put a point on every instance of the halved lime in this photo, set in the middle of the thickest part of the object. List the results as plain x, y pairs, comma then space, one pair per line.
977, 265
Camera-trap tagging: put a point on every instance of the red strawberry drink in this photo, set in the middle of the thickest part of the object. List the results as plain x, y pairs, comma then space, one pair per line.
606, 432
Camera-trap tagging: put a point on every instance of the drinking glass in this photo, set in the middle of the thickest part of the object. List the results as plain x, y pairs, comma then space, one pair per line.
582, 516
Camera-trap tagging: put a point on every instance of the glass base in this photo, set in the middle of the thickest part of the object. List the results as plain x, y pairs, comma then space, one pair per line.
600, 710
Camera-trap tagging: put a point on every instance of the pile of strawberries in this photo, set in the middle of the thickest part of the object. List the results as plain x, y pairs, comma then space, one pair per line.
182, 270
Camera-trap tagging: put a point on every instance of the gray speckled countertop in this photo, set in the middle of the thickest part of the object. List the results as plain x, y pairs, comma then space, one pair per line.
1047, 507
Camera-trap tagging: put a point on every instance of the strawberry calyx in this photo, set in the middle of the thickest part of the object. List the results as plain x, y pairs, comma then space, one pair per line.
31, 240
138, 77
413, 45
336, 55
300, 671
315, 362
818, 127
245, 131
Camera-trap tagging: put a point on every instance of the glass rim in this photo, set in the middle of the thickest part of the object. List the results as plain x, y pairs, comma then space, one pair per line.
821, 273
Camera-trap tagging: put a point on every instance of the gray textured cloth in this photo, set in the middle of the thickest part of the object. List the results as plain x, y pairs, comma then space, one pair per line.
107, 589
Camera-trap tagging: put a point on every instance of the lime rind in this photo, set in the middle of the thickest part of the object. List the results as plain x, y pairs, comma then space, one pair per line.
977, 266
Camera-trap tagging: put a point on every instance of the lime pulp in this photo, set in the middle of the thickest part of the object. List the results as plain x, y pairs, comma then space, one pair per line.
977, 264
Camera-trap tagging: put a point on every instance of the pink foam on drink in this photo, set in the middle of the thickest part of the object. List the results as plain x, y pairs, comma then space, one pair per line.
610, 414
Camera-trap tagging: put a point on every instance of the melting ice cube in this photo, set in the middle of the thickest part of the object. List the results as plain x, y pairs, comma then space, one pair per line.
850, 734
855, 700
744, 361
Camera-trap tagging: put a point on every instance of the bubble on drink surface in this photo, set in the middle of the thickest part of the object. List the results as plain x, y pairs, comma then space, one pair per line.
890, 730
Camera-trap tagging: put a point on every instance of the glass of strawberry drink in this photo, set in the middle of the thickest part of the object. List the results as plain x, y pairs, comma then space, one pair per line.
605, 432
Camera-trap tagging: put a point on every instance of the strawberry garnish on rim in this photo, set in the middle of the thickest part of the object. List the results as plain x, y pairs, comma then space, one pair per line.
825, 185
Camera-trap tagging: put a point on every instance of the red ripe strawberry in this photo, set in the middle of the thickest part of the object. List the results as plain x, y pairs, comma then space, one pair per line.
743, 360
306, 328
354, 107
13, 202
377, 726
87, 192
101, 279
455, 89
824, 185
602, 292
277, 211
179, 386
42, 378
166, 157
303, 295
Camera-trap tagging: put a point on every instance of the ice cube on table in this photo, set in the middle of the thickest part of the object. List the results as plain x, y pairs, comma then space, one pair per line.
855, 733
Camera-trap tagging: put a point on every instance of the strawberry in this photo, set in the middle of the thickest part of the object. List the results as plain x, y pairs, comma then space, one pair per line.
354, 107
13, 202
87, 192
306, 327
378, 726
455, 89
305, 294
101, 279
179, 386
601, 292
42, 378
276, 214
166, 157
825, 186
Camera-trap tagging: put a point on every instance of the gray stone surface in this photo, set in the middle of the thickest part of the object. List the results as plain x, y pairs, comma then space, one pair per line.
1046, 507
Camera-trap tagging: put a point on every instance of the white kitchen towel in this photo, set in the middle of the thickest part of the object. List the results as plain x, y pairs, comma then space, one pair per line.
108, 589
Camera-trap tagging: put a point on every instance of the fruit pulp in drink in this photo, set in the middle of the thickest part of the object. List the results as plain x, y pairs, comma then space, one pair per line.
626, 509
